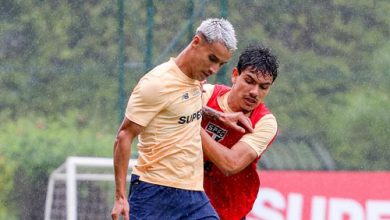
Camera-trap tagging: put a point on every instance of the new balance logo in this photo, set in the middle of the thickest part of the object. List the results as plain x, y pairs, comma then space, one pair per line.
185, 96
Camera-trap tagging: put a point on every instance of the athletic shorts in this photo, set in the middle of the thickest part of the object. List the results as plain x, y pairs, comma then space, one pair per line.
150, 201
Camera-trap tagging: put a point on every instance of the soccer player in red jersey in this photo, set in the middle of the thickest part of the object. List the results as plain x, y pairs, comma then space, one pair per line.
231, 180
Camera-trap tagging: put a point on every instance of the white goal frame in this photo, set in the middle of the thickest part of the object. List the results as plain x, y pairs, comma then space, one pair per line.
67, 172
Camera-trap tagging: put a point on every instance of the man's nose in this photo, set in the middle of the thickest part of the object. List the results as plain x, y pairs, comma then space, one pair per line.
214, 68
254, 92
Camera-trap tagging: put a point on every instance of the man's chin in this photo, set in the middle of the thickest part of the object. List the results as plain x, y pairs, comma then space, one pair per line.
247, 109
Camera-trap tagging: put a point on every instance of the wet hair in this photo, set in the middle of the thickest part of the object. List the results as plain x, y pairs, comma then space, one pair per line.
218, 30
259, 59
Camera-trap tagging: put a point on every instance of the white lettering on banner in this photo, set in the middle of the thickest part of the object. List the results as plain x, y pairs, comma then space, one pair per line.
341, 208
294, 208
269, 205
378, 210
318, 208
273, 205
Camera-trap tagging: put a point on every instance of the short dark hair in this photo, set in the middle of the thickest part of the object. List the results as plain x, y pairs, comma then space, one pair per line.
260, 59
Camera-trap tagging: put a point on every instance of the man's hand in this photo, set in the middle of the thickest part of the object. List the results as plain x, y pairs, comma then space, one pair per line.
236, 120
121, 207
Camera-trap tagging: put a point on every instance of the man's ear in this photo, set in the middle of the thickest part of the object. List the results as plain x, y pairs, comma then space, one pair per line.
196, 40
234, 75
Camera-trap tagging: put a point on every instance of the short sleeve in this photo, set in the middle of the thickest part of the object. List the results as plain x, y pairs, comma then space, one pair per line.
263, 134
146, 101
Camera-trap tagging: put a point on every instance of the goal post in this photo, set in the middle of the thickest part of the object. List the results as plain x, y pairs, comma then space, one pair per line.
80, 187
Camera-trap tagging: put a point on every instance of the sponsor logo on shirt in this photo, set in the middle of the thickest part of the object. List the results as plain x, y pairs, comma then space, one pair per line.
196, 92
186, 119
190, 94
217, 133
185, 96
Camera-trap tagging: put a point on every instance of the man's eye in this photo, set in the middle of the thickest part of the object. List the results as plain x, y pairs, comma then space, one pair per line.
264, 87
213, 59
248, 81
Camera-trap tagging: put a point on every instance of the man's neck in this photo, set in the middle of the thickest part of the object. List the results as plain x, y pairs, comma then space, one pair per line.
182, 62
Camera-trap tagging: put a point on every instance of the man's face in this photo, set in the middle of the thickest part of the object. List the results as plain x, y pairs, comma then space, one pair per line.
208, 58
249, 89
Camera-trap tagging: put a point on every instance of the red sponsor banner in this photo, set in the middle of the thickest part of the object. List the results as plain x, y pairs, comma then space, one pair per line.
302, 195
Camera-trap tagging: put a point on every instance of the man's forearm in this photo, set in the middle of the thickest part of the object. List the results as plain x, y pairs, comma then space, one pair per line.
236, 120
220, 155
210, 113
122, 151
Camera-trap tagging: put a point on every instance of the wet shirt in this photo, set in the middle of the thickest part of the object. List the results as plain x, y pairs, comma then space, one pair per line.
264, 130
168, 104
233, 196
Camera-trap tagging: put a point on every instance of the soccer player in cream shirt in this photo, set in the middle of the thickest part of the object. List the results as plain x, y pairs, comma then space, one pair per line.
165, 112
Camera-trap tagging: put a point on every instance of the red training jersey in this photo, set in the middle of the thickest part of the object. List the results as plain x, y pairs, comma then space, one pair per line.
231, 196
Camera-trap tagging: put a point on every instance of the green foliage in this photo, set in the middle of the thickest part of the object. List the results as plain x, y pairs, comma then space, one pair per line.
302, 94
7, 169
60, 32
55, 91
58, 76
35, 145
358, 132
46, 142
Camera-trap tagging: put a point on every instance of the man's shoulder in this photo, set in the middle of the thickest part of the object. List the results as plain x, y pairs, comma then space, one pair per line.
208, 88
160, 70
221, 87
267, 119
159, 76
263, 109
211, 92
219, 90
261, 113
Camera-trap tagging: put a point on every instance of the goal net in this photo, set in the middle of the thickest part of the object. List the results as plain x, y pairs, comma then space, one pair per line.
82, 188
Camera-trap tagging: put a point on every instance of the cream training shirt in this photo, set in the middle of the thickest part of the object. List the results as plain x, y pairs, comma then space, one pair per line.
168, 104
264, 131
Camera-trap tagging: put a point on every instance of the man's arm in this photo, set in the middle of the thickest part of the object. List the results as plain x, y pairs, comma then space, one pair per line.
122, 151
236, 120
229, 161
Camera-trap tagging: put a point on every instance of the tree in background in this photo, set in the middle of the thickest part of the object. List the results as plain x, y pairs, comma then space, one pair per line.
58, 69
